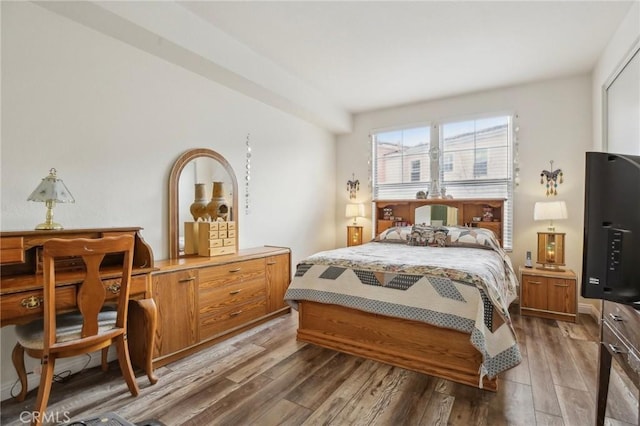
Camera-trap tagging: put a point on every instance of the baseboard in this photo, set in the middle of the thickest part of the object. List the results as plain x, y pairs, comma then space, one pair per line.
74, 365
588, 308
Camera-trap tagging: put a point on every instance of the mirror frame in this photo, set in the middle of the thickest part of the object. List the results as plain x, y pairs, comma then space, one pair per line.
178, 166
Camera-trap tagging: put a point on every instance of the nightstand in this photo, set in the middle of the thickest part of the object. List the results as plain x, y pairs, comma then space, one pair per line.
548, 294
354, 235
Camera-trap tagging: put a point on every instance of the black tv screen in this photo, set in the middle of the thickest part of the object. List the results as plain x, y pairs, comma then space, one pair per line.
611, 258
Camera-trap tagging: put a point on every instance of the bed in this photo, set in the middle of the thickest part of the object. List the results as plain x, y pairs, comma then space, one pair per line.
429, 299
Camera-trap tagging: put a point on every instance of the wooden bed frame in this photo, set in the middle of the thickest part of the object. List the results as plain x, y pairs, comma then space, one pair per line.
413, 345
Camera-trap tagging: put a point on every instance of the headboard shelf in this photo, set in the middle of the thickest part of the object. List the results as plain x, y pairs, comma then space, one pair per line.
478, 212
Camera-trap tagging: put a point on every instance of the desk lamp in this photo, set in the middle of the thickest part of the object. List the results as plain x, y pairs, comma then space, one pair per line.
51, 191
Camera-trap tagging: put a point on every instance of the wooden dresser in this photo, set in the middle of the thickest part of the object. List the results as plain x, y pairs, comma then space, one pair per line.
21, 284
203, 300
620, 340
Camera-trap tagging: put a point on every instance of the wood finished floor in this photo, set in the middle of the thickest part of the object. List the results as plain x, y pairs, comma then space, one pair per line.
266, 377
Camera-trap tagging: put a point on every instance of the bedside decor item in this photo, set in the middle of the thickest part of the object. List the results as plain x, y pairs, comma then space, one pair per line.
422, 195
551, 243
247, 176
487, 214
552, 179
198, 208
353, 186
51, 191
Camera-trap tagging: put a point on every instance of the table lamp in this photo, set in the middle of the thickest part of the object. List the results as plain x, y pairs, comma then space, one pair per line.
51, 191
355, 211
550, 243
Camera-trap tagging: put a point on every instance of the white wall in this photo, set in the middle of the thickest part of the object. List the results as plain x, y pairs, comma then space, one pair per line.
554, 118
112, 119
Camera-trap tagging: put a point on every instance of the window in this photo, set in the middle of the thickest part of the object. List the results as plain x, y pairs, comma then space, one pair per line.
447, 162
402, 162
480, 163
473, 159
415, 171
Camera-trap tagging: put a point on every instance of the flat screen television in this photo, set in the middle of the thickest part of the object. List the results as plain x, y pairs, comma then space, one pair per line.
611, 258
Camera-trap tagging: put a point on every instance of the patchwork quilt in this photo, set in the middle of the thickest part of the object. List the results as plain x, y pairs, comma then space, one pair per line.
461, 288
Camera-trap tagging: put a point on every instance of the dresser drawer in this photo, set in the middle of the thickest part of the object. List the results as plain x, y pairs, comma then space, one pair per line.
217, 276
627, 357
138, 285
624, 319
236, 306
31, 303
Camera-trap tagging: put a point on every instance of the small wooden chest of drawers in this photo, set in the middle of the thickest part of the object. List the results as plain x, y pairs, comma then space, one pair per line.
216, 238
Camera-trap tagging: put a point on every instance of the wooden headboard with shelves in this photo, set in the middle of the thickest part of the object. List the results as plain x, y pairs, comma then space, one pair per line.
490, 212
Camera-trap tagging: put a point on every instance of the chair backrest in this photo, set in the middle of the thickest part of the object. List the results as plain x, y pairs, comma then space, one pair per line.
91, 295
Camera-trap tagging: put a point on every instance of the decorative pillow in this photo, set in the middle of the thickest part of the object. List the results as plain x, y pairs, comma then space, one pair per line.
396, 234
424, 235
461, 236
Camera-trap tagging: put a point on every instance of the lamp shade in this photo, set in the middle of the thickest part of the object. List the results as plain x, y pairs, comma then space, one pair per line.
550, 210
354, 210
51, 189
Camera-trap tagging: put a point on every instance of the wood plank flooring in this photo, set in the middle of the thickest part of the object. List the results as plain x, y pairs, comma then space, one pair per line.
266, 377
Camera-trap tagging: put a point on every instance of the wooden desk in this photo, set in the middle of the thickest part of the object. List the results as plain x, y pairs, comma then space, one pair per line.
21, 285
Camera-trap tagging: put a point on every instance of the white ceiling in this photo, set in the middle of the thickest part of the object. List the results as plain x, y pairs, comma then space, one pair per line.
368, 55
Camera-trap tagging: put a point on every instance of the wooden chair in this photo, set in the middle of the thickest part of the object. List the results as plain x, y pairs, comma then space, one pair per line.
93, 327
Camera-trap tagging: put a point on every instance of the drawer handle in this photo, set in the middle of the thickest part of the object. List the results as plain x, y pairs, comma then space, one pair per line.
561, 285
186, 280
271, 263
235, 291
234, 270
615, 349
615, 317
31, 302
534, 282
235, 314
114, 288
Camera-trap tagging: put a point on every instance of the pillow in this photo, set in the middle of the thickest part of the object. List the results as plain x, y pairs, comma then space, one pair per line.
423, 235
462, 236
396, 234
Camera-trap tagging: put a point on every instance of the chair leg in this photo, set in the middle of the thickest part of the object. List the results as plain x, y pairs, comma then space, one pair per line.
44, 390
125, 364
17, 357
105, 353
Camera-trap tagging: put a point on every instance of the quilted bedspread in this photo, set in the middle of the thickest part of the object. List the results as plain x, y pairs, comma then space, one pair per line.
465, 289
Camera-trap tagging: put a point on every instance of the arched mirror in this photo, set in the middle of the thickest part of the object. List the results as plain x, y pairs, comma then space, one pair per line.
199, 173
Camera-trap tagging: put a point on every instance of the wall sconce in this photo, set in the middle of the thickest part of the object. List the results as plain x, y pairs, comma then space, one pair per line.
51, 191
552, 178
551, 243
353, 186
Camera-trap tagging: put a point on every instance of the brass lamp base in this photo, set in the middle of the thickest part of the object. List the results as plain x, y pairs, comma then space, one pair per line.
49, 226
550, 267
